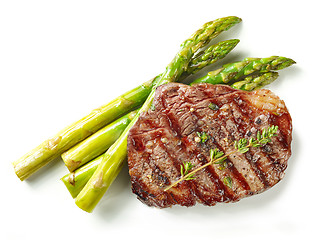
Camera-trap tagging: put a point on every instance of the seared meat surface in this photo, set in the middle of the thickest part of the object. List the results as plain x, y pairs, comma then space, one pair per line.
166, 136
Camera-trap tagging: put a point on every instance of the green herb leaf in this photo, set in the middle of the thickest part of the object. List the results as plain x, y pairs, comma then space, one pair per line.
190, 177
220, 161
264, 133
213, 106
223, 166
254, 143
241, 145
258, 136
185, 169
212, 154
215, 154
263, 137
243, 150
203, 136
227, 181
219, 154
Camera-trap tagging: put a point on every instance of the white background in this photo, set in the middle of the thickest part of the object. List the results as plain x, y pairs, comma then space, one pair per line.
61, 59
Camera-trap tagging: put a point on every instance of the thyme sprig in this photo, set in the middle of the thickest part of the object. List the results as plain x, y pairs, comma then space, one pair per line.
218, 157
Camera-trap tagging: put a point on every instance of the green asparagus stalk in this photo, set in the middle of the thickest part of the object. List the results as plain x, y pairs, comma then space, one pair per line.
70, 136
114, 158
96, 144
75, 181
256, 81
234, 71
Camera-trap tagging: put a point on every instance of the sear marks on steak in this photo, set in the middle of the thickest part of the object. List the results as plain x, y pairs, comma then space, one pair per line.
166, 136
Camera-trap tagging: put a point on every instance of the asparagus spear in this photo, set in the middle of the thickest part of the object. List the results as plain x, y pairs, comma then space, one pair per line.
113, 159
234, 71
70, 136
97, 143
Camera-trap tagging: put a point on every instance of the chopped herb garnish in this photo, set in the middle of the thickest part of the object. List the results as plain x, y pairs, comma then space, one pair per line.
213, 106
203, 136
227, 181
223, 166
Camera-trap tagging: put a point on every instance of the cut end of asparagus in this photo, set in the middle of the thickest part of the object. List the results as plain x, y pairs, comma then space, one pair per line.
26, 166
69, 182
88, 199
88, 209
20, 175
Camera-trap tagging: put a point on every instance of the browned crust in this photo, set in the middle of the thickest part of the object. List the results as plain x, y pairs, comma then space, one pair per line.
162, 139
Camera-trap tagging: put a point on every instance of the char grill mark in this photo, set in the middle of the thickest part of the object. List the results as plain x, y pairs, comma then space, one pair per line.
163, 139
238, 119
161, 176
224, 194
256, 169
175, 125
233, 132
237, 133
234, 173
192, 156
177, 199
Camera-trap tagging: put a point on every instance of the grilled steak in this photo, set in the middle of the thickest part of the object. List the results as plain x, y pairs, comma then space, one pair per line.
166, 136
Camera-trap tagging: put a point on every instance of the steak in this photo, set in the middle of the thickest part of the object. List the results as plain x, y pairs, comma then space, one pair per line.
165, 137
